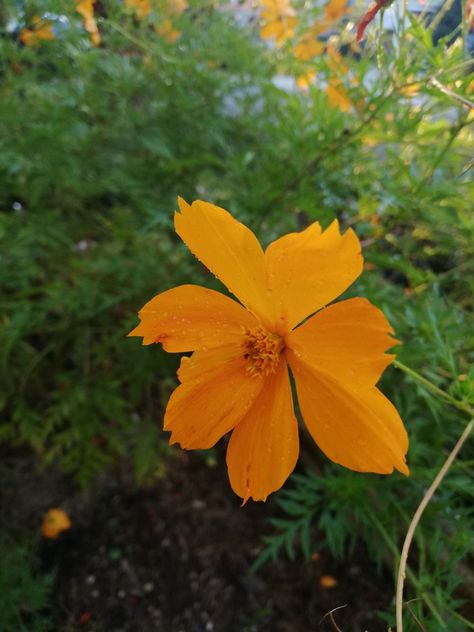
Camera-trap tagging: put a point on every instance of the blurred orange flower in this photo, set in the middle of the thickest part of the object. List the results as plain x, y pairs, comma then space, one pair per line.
167, 31
279, 20
176, 7
141, 7
86, 9
54, 522
336, 91
327, 581
237, 378
335, 10
304, 81
40, 30
337, 95
308, 47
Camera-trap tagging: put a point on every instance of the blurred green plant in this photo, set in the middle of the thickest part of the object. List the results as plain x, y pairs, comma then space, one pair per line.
25, 593
96, 142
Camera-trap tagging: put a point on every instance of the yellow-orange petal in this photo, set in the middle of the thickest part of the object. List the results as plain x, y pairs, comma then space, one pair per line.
360, 430
141, 7
335, 9
190, 317
195, 366
337, 96
215, 394
228, 249
346, 340
308, 47
304, 81
307, 270
263, 448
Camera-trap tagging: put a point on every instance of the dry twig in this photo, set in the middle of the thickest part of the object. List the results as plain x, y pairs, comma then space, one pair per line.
416, 519
331, 617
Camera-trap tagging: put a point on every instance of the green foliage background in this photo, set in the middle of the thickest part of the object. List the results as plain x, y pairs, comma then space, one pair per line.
96, 143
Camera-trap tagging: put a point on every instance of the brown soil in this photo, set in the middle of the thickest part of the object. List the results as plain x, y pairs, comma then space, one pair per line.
174, 557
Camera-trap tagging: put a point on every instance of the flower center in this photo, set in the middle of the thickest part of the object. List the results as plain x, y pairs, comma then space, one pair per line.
261, 350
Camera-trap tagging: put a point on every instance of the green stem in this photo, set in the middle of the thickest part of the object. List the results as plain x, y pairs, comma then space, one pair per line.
454, 132
329, 149
140, 43
434, 389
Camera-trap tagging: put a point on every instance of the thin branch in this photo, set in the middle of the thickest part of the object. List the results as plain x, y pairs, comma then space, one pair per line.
329, 149
454, 95
467, 168
416, 519
330, 615
434, 389
415, 618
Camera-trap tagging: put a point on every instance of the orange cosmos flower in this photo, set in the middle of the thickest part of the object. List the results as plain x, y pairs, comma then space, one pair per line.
304, 81
237, 378
279, 20
40, 31
176, 7
86, 9
308, 46
142, 8
167, 31
55, 522
336, 91
335, 10
337, 95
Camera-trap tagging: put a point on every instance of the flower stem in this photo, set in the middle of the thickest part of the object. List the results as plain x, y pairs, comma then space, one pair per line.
434, 389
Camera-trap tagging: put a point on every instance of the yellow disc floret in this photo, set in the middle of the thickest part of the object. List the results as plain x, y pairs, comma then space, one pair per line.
261, 350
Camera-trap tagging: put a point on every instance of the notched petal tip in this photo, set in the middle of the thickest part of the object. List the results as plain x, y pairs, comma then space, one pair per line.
141, 331
248, 496
335, 226
183, 205
135, 331
403, 468
245, 500
172, 440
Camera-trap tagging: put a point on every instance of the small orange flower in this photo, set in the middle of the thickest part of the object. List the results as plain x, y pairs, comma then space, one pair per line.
167, 31
54, 522
176, 7
336, 91
327, 581
142, 8
237, 378
41, 31
335, 10
304, 81
86, 9
279, 20
337, 95
308, 47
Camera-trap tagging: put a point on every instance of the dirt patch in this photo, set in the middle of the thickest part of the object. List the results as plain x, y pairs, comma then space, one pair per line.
174, 557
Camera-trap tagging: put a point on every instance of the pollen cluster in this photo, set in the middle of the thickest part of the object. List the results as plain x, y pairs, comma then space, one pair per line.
261, 350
